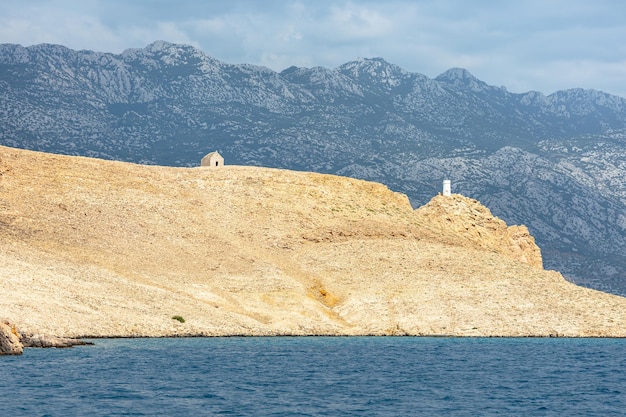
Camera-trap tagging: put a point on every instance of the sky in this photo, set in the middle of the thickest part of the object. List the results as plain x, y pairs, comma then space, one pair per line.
524, 45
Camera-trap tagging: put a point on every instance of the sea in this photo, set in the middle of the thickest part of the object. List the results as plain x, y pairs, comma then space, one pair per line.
319, 376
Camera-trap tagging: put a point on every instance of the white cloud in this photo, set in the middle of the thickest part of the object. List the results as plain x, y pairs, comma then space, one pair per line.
358, 23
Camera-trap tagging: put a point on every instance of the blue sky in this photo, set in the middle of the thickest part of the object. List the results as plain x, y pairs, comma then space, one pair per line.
542, 45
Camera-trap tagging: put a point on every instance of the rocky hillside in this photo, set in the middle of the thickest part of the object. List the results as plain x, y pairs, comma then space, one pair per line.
465, 222
553, 162
100, 248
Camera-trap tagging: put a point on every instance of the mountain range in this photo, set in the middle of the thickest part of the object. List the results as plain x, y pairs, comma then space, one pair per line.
552, 162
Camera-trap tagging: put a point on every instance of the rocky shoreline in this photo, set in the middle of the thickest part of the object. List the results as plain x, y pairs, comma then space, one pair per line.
12, 342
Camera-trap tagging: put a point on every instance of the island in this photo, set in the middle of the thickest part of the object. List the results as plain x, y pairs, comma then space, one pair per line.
94, 248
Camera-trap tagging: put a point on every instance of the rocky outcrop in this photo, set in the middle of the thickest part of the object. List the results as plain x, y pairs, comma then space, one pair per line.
13, 342
38, 340
10, 343
466, 222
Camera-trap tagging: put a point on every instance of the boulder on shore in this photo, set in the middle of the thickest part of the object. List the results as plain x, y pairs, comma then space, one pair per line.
10, 343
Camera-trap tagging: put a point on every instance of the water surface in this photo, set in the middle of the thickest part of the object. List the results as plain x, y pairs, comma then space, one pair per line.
319, 376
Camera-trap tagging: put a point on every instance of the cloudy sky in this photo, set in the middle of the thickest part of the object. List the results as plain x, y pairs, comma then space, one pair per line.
543, 45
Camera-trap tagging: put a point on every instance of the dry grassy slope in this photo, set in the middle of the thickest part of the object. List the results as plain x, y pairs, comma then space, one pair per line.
100, 248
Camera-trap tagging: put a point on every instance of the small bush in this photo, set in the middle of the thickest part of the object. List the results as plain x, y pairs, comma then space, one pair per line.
179, 318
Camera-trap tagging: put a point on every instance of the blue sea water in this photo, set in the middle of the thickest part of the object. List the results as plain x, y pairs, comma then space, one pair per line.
319, 376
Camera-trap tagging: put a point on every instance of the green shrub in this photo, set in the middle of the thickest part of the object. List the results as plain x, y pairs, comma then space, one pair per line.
179, 318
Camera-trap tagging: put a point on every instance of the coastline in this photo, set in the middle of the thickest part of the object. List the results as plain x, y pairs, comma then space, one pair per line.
111, 249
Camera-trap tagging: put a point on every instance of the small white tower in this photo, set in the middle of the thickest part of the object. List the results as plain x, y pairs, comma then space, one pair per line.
447, 189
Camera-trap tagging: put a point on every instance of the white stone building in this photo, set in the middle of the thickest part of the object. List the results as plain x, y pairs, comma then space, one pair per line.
213, 159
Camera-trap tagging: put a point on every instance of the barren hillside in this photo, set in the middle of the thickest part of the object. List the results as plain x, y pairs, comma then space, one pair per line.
99, 248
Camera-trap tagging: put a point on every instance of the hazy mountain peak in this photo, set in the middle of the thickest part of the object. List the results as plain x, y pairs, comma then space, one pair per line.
161, 46
154, 47
374, 69
369, 64
588, 96
326, 84
460, 77
456, 74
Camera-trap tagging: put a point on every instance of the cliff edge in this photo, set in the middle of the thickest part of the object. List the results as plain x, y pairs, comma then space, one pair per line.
463, 221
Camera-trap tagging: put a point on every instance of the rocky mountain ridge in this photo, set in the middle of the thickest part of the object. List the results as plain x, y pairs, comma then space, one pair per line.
103, 248
552, 162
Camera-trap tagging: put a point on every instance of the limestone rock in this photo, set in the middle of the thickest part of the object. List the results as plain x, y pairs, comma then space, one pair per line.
10, 340
109, 249
466, 222
38, 340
